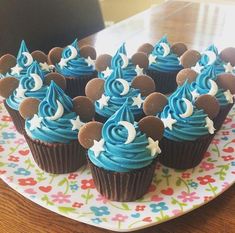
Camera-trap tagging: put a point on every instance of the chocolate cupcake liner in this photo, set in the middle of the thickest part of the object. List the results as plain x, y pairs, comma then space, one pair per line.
76, 86
122, 186
220, 118
165, 82
57, 158
185, 154
17, 119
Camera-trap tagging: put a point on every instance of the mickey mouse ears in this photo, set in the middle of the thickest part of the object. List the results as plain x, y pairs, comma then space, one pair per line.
228, 55
7, 61
190, 58
39, 56
186, 74
227, 82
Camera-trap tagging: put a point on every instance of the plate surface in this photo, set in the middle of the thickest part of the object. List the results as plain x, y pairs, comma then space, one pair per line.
172, 193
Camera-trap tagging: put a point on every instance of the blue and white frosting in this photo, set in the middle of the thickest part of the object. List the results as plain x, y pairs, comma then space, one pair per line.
116, 91
72, 64
55, 122
30, 85
163, 59
123, 146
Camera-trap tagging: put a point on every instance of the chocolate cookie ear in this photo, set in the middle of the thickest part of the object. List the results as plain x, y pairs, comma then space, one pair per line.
140, 59
144, 83
145, 48
54, 55
227, 82
186, 74
154, 103
84, 107
7, 86
190, 58
29, 107
228, 55
209, 104
95, 88
39, 56
152, 126
7, 61
90, 132
57, 78
179, 48
102, 62
88, 51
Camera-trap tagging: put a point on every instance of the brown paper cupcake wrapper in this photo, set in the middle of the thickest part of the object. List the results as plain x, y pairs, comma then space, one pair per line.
122, 186
76, 86
220, 118
185, 154
165, 82
57, 158
17, 119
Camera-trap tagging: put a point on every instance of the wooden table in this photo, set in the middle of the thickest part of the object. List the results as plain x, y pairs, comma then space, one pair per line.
196, 24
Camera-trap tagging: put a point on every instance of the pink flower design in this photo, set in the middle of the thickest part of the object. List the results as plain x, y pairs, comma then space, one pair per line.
140, 207
225, 133
207, 198
156, 198
6, 118
87, 184
61, 198
215, 141
228, 158
119, 218
27, 182
77, 205
13, 158
204, 180
188, 196
185, 175
20, 141
225, 185
2, 172
207, 154
72, 176
152, 188
176, 212
207, 166
227, 120
102, 198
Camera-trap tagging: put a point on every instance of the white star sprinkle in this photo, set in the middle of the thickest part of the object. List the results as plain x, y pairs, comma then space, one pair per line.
179, 59
195, 94
16, 70
152, 59
228, 96
90, 62
198, 68
107, 72
210, 125
97, 147
228, 68
153, 146
35, 122
168, 122
138, 70
44, 66
77, 123
103, 101
20, 92
137, 101
63, 63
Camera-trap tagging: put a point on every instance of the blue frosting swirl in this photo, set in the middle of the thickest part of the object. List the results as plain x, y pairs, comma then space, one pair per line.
75, 67
54, 131
27, 82
169, 63
189, 128
113, 89
117, 156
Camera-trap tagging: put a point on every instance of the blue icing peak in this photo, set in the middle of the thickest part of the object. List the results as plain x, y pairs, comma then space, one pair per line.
118, 155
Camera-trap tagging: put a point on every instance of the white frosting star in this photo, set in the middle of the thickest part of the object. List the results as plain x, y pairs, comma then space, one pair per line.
97, 147
179, 59
63, 63
90, 62
138, 70
228, 96
35, 122
44, 66
198, 68
20, 92
210, 125
228, 68
107, 72
103, 101
77, 123
153, 146
16, 70
195, 94
137, 101
168, 122
152, 59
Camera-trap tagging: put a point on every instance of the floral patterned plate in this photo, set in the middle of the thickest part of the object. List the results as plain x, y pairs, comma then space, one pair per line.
171, 194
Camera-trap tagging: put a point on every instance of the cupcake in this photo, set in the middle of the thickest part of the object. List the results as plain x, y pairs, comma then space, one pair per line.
106, 64
76, 64
32, 84
122, 153
110, 94
51, 129
188, 126
164, 63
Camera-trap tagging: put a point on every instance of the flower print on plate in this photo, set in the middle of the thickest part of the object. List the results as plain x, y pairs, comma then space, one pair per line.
171, 194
